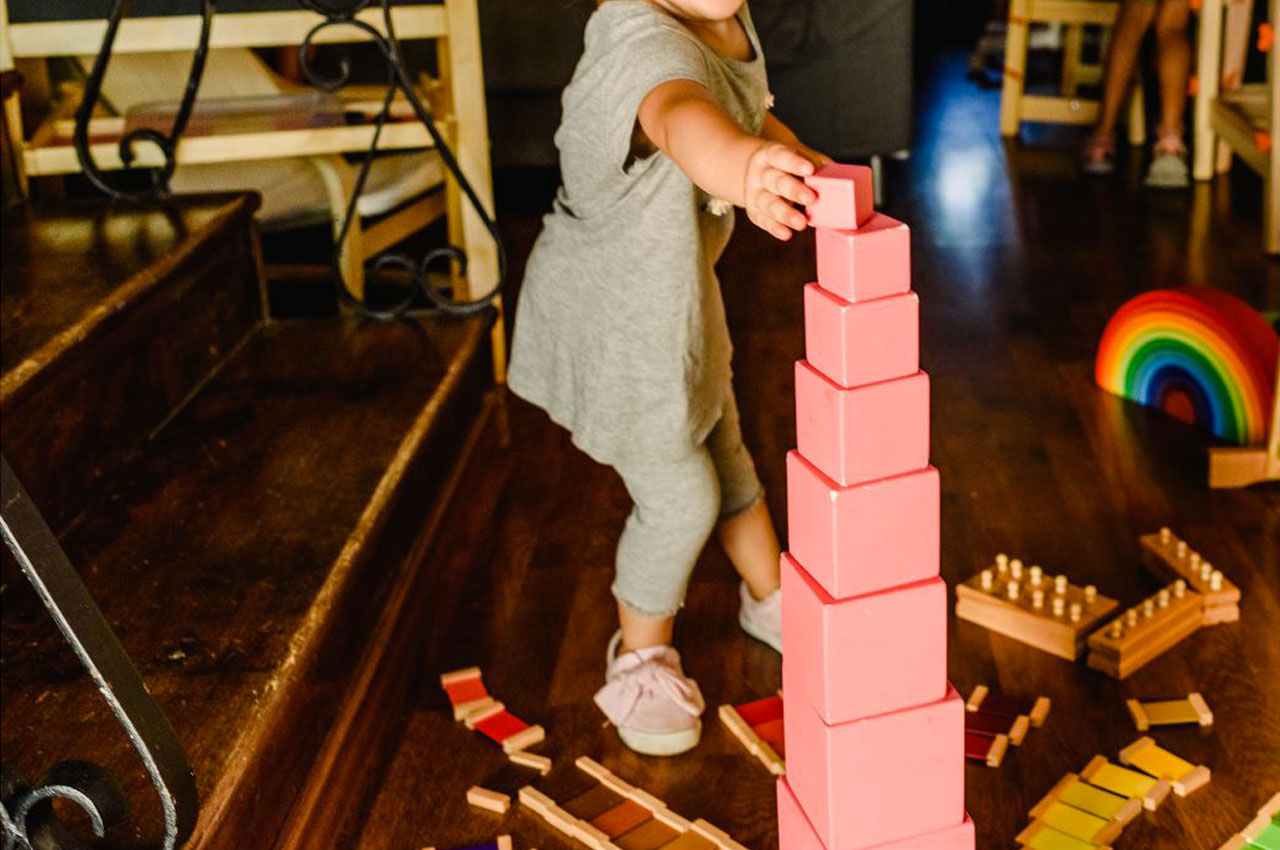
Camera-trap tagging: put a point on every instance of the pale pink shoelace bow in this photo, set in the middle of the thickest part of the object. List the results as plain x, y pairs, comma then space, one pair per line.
652, 671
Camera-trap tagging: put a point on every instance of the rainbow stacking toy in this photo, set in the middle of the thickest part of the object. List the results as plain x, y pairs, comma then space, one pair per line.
874, 731
1198, 354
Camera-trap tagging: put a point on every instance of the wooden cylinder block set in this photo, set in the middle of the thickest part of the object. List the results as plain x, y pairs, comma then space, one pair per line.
1072, 622
874, 732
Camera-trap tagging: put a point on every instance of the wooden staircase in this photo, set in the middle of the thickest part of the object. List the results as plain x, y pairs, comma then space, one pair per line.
250, 502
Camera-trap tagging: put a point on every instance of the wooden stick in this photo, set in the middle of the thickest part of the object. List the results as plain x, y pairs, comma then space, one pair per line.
535, 734
753, 743
540, 763
483, 798
232, 29
989, 749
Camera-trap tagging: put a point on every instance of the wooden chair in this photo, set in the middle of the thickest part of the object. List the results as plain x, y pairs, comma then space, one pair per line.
456, 97
1234, 117
1066, 107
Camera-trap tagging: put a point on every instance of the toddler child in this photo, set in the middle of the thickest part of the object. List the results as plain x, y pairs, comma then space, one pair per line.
620, 333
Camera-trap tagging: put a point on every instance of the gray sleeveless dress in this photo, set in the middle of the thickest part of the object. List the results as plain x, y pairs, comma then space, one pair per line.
620, 331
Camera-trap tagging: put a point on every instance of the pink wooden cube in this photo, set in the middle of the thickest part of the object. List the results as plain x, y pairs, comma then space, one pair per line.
879, 779
796, 833
862, 433
871, 262
845, 196
865, 655
861, 342
869, 537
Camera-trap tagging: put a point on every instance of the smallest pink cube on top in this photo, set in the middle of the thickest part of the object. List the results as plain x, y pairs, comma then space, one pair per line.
873, 261
845, 196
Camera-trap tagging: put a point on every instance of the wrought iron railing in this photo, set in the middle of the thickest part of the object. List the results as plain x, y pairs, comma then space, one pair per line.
398, 80
27, 813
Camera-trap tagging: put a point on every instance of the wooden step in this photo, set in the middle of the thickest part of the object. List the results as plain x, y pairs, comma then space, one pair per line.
111, 315
258, 559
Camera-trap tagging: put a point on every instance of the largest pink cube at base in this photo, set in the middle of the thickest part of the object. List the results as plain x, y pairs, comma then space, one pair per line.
879, 779
796, 833
868, 537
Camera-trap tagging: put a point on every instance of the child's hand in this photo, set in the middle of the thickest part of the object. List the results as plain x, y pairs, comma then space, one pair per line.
818, 158
772, 185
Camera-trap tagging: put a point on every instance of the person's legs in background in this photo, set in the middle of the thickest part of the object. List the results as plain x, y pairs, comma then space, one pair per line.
1173, 56
990, 46
1126, 45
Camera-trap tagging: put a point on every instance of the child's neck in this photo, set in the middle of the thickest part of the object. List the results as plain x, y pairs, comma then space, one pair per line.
725, 35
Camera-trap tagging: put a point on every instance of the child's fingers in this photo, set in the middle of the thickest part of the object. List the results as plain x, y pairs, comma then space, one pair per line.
783, 184
789, 160
765, 222
784, 213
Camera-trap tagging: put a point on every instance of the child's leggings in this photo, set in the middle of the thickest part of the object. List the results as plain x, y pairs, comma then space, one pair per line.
678, 501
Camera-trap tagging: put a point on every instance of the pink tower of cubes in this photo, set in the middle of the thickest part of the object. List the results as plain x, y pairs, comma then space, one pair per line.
874, 731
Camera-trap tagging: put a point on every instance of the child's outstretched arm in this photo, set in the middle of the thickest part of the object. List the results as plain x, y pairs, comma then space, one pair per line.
685, 122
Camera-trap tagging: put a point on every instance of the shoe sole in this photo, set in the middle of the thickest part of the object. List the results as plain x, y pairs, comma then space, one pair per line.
772, 641
1168, 176
665, 744
1170, 182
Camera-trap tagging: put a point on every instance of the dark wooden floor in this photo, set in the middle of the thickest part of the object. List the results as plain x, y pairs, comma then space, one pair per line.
1018, 264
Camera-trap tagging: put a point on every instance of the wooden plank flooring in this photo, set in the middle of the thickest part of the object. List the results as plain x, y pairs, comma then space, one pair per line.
1018, 264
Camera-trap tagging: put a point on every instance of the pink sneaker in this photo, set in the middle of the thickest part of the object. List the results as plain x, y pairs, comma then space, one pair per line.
1099, 155
652, 702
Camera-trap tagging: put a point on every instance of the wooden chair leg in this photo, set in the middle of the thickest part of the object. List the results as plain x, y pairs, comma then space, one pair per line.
1015, 67
1072, 47
466, 81
1236, 28
339, 185
1271, 199
1224, 157
1273, 442
1208, 75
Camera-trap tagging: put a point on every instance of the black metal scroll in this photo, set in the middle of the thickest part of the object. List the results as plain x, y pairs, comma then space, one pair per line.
168, 144
26, 814
334, 15
397, 79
